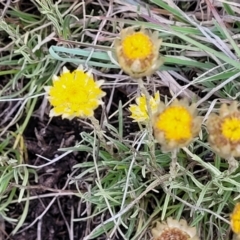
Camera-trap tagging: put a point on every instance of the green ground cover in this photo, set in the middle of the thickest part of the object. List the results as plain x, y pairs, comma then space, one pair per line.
116, 194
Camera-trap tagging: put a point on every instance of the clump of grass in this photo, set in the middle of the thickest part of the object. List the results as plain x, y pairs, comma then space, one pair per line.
124, 192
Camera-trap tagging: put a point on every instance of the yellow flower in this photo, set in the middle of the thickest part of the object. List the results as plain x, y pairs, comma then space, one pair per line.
176, 125
224, 131
235, 219
138, 51
173, 229
74, 94
139, 111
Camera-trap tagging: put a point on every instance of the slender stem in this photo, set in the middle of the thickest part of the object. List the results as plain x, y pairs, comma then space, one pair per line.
173, 167
99, 133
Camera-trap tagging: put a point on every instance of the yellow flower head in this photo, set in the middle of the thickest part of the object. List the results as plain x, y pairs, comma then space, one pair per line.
224, 131
176, 125
74, 94
235, 219
138, 51
173, 229
139, 111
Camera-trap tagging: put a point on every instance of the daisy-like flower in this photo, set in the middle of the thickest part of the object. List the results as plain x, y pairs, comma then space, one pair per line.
138, 51
176, 125
235, 219
74, 94
139, 111
173, 230
224, 131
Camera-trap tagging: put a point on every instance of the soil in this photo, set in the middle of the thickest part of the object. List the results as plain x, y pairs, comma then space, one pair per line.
45, 139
